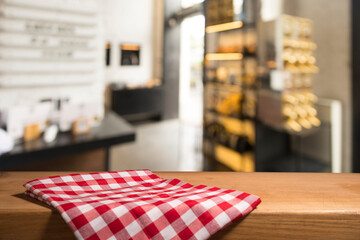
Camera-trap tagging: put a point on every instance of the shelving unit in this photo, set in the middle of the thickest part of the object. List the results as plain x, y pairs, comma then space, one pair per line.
287, 80
258, 94
229, 84
286, 107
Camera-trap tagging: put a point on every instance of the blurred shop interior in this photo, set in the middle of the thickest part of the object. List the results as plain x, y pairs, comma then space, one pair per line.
180, 85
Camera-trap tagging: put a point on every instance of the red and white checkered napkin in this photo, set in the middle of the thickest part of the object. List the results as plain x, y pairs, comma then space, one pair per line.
140, 205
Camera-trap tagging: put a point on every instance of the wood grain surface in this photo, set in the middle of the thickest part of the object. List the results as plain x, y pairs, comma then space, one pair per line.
294, 206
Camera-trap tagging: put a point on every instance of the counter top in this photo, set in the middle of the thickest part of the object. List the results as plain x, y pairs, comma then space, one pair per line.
294, 205
111, 131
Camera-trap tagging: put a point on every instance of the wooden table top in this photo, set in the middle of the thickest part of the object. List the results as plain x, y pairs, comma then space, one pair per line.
296, 205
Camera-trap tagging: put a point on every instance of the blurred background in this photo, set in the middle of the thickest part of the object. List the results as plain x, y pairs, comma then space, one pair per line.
180, 85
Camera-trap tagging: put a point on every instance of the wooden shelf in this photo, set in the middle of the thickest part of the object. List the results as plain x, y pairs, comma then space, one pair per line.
224, 27
226, 84
241, 162
223, 56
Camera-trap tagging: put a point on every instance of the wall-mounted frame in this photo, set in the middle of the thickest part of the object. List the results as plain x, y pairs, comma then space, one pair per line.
108, 54
129, 54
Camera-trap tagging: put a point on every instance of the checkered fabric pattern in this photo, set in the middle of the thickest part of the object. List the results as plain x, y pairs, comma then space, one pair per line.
137, 204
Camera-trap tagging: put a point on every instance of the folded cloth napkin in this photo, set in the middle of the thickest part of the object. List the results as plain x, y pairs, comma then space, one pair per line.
137, 204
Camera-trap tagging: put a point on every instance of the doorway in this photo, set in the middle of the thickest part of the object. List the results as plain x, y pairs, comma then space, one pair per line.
192, 32
191, 70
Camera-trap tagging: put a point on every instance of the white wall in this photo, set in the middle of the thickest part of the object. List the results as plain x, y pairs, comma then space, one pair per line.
90, 91
119, 21
129, 22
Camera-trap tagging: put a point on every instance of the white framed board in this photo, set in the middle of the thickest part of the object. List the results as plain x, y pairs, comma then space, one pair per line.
48, 42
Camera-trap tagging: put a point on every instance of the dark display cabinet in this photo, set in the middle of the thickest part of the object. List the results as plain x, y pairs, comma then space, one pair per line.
230, 84
138, 104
